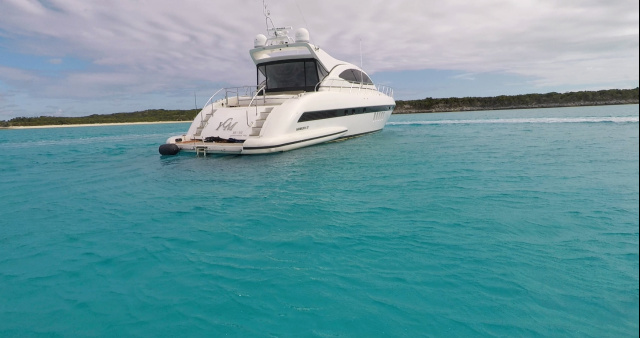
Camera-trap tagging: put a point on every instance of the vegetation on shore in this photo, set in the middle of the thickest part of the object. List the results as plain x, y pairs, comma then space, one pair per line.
151, 115
526, 101
427, 105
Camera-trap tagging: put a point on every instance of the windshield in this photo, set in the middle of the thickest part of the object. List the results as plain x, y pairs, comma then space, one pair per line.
290, 75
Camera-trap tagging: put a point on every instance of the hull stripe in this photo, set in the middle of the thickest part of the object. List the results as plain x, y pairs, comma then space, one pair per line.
332, 113
294, 142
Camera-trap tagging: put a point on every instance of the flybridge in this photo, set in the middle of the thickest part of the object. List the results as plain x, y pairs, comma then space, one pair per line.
280, 36
281, 46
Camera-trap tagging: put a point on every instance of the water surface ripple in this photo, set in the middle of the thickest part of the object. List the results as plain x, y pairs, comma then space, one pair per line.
506, 223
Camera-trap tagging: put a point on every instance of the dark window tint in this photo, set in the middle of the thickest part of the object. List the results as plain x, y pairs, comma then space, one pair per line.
311, 74
349, 76
290, 75
355, 75
366, 79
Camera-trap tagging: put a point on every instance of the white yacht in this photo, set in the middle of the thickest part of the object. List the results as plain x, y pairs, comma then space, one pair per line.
303, 97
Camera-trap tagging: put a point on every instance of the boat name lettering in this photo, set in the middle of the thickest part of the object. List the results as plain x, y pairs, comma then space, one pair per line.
302, 128
227, 125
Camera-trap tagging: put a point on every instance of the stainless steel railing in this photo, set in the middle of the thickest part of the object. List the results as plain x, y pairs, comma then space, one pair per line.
344, 85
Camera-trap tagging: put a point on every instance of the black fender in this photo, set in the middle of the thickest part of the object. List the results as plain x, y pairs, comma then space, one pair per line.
168, 149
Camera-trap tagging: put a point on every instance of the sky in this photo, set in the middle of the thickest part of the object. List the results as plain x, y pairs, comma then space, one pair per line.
82, 57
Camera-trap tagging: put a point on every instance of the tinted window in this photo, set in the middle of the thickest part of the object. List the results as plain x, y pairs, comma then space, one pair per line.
349, 76
311, 74
355, 75
291, 75
366, 79
285, 75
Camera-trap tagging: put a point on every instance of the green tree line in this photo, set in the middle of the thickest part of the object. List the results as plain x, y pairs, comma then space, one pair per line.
583, 98
151, 115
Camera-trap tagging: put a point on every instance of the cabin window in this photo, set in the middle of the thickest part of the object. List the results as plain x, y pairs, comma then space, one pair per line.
355, 76
290, 75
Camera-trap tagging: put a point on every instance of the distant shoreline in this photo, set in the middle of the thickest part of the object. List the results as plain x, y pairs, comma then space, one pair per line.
90, 125
397, 111
427, 105
408, 109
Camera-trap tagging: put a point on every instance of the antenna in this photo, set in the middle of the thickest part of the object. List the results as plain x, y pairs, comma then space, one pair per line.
267, 17
195, 101
361, 75
306, 25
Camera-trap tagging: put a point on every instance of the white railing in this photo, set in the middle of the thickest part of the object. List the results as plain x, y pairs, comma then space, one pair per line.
212, 96
327, 84
261, 89
237, 92
244, 91
386, 90
253, 92
347, 86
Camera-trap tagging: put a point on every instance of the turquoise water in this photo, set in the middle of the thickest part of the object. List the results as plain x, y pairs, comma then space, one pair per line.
501, 223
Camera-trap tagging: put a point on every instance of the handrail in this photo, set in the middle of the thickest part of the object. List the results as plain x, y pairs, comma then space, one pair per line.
234, 91
212, 96
330, 84
206, 104
251, 102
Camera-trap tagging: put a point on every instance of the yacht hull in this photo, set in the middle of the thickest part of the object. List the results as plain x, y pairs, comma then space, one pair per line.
284, 122
302, 97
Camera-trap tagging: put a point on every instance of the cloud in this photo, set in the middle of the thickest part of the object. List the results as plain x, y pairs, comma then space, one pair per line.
148, 47
465, 76
17, 76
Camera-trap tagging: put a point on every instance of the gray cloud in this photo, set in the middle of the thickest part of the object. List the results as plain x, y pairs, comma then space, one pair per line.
146, 47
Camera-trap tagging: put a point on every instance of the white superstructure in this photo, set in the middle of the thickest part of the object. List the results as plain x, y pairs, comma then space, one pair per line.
303, 96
